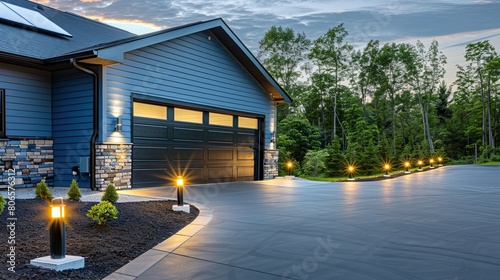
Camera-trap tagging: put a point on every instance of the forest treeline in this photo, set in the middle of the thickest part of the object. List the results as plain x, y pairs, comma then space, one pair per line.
382, 103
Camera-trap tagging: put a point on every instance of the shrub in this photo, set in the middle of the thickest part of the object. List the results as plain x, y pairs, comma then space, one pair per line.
2, 203
110, 194
102, 212
74, 191
42, 191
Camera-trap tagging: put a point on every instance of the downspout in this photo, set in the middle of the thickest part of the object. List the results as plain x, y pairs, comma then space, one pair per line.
95, 132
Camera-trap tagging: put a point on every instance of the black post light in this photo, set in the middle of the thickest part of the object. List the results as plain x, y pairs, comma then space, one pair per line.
57, 229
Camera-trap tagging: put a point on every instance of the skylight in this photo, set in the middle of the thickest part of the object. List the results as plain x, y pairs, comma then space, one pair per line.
29, 18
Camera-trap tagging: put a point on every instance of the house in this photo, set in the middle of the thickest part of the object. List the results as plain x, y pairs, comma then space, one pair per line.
81, 99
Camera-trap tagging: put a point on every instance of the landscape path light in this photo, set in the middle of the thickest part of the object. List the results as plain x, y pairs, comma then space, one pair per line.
57, 229
180, 196
387, 167
350, 172
58, 260
431, 161
440, 160
289, 166
420, 163
407, 167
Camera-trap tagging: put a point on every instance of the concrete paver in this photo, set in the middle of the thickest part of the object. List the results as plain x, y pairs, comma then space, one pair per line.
440, 224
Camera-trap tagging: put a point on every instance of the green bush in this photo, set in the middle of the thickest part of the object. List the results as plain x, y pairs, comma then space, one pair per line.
74, 191
110, 194
103, 212
2, 203
42, 191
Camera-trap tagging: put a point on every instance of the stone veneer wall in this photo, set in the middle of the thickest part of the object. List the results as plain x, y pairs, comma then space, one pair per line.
270, 164
113, 165
32, 160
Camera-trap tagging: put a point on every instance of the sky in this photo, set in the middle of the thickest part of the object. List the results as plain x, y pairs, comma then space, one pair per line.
453, 23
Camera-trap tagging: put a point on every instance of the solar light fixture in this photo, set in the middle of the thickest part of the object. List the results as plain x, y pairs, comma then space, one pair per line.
431, 161
440, 160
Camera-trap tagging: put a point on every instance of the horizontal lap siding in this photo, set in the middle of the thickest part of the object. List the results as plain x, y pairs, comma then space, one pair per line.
27, 102
190, 69
72, 123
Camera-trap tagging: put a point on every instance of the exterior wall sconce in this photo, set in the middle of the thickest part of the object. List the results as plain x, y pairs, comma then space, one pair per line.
118, 126
273, 137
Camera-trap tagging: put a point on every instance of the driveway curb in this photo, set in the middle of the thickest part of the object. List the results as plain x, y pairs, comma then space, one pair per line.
139, 265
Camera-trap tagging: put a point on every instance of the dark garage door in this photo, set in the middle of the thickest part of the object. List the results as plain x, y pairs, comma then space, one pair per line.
165, 147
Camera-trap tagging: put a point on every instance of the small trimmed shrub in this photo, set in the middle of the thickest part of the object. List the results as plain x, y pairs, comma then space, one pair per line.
110, 194
74, 191
42, 191
2, 203
103, 212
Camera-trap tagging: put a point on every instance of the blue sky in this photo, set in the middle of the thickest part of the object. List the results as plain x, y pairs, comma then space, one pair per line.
454, 23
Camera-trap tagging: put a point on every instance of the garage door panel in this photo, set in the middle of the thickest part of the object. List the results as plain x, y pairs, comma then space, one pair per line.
188, 134
220, 172
220, 154
150, 131
150, 153
194, 175
246, 139
246, 154
152, 176
151, 164
188, 153
245, 171
220, 137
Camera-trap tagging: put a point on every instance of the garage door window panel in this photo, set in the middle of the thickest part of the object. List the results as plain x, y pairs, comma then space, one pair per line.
150, 111
186, 115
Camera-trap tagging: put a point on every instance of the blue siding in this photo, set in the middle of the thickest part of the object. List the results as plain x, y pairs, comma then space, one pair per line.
190, 69
72, 123
27, 102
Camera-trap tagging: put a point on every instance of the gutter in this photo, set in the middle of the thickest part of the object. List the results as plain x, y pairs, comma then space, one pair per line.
95, 132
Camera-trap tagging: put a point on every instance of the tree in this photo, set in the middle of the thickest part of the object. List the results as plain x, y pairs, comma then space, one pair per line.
297, 136
282, 52
314, 161
330, 56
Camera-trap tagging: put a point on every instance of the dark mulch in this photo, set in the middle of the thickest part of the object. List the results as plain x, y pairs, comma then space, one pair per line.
139, 227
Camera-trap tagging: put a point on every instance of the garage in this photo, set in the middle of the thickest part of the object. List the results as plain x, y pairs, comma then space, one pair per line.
204, 146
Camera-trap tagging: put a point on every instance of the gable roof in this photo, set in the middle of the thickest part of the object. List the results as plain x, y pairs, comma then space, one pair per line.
97, 43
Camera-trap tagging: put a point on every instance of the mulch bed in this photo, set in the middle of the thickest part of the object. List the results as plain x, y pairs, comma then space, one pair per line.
140, 226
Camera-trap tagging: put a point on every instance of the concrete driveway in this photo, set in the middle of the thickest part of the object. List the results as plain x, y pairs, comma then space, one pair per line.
440, 224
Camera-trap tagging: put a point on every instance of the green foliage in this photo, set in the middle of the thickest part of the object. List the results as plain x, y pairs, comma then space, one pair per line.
110, 194
383, 102
103, 212
42, 191
2, 203
74, 191
314, 162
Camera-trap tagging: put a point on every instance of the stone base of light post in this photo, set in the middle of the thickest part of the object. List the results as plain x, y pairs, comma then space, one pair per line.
183, 208
68, 262
387, 176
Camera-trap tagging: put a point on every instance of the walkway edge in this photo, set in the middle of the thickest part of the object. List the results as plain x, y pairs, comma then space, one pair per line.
139, 265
